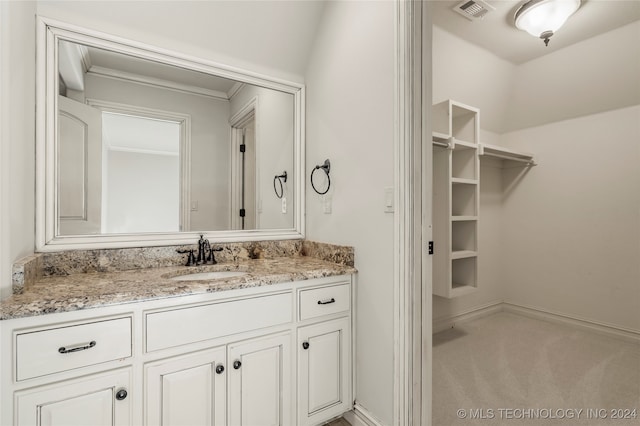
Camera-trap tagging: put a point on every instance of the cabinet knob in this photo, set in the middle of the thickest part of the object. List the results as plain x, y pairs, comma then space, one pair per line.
219, 369
121, 394
237, 364
305, 345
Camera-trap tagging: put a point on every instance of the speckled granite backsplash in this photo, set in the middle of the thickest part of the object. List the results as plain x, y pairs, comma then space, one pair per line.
29, 269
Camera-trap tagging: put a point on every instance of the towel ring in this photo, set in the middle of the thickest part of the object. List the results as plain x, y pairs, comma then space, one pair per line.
326, 167
279, 179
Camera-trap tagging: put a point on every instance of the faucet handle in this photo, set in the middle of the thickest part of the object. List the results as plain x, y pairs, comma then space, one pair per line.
191, 259
212, 257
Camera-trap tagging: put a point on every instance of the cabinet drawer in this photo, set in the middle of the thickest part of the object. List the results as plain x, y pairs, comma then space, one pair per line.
54, 350
197, 323
324, 301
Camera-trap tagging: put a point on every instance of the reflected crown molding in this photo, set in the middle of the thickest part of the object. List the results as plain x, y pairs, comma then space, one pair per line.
157, 82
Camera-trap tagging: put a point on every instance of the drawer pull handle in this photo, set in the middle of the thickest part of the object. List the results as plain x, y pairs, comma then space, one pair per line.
121, 394
305, 345
237, 364
326, 302
64, 350
219, 369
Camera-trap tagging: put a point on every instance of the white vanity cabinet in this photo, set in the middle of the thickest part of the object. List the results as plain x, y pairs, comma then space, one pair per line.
260, 381
323, 371
187, 390
324, 353
97, 400
235, 357
196, 389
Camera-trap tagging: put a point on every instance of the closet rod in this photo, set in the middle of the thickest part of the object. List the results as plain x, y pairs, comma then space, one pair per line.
529, 162
444, 144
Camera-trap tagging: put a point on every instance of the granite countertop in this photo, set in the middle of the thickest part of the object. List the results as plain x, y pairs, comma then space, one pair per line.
55, 294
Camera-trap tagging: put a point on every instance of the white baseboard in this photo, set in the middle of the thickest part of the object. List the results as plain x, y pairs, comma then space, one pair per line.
444, 323
360, 416
584, 324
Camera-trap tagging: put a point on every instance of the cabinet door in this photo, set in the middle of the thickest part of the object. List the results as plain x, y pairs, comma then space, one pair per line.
98, 401
324, 371
260, 387
187, 390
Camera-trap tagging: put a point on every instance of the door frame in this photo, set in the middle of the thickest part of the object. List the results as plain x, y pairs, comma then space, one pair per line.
236, 122
412, 221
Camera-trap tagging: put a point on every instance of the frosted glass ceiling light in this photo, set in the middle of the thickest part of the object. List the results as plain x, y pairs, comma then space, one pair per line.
542, 18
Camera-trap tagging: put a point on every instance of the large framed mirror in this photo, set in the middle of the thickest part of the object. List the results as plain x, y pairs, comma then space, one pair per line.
140, 146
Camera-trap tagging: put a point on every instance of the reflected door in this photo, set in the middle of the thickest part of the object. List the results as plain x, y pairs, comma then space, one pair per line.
79, 168
244, 206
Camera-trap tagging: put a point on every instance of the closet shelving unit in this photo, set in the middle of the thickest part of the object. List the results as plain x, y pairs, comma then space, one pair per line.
456, 181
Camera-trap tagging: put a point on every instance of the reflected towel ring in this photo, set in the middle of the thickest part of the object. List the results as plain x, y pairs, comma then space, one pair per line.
326, 167
279, 179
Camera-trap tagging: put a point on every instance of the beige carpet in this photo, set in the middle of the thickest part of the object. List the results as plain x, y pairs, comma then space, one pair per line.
507, 369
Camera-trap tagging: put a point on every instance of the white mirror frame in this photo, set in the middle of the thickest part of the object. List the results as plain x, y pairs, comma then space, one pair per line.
49, 33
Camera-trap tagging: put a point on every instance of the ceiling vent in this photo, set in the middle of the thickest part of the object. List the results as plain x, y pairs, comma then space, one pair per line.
473, 9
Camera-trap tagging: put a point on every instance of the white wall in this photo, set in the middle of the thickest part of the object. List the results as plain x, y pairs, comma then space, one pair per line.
210, 141
472, 75
17, 133
268, 37
595, 75
572, 224
274, 137
350, 120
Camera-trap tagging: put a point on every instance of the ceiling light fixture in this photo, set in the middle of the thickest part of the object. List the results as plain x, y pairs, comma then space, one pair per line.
542, 18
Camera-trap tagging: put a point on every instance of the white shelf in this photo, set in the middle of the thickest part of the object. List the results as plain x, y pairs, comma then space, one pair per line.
440, 137
456, 180
463, 181
460, 145
463, 218
463, 254
516, 157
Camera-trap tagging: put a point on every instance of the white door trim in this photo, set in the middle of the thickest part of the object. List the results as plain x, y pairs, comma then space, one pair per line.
4, 153
236, 122
412, 268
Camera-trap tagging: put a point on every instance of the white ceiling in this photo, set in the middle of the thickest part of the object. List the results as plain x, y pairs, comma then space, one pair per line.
497, 33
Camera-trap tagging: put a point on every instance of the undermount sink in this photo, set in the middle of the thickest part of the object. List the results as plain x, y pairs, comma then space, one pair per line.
200, 276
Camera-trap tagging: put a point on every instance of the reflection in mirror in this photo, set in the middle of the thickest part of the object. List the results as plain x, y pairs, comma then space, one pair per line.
146, 147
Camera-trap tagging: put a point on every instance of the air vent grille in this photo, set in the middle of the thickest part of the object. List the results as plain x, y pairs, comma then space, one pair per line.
473, 9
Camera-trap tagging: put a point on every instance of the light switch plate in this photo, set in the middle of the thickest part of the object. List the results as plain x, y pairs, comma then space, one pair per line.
326, 204
284, 205
388, 199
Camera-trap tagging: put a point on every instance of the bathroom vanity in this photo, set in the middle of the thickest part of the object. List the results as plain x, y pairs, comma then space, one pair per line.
263, 338
271, 345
